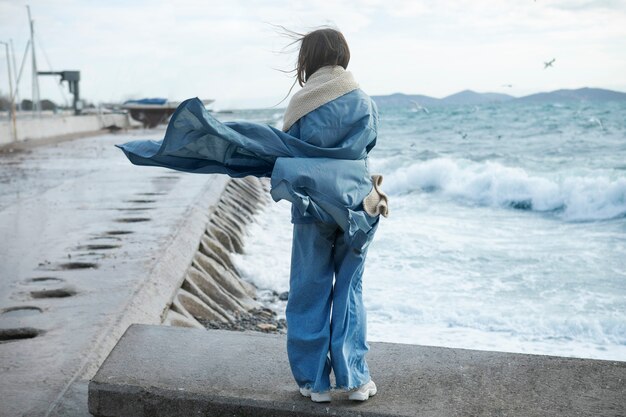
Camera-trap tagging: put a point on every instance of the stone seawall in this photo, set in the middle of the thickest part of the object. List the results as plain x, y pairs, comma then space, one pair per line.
213, 294
50, 127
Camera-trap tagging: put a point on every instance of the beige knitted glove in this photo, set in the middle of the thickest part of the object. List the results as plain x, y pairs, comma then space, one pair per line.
376, 201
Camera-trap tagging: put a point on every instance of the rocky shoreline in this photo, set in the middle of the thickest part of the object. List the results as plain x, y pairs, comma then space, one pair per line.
213, 294
259, 319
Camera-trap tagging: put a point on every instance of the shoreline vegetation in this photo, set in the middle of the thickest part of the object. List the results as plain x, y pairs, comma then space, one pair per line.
213, 294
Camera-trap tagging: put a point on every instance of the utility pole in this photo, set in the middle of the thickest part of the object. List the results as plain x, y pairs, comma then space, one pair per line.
11, 98
36, 103
16, 98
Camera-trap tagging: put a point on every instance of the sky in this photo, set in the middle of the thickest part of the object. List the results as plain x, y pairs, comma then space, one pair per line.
231, 52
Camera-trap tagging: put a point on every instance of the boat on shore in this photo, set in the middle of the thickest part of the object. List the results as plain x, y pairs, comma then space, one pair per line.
152, 112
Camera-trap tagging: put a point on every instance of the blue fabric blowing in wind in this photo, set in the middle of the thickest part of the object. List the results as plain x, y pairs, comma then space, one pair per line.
319, 164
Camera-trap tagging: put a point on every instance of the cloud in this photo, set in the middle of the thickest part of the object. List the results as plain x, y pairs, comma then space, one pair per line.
584, 5
228, 51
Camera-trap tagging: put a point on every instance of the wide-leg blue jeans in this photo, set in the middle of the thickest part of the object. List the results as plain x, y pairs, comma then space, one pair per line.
326, 320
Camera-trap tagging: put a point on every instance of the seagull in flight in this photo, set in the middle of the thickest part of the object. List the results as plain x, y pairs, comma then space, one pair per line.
418, 107
549, 63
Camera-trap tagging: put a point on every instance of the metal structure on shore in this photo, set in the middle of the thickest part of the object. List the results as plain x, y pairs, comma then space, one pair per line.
147, 111
72, 77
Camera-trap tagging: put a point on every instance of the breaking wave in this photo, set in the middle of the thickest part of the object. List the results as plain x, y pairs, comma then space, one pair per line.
574, 198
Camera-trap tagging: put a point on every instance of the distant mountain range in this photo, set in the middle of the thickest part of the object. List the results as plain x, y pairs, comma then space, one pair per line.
469, 97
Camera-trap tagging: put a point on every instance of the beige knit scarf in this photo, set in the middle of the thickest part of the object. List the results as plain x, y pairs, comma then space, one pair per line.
324, 85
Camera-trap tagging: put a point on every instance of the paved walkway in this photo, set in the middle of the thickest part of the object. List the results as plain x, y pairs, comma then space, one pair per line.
88, 245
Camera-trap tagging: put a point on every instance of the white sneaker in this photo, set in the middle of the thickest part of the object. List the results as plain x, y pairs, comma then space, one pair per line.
363, 392
318, 397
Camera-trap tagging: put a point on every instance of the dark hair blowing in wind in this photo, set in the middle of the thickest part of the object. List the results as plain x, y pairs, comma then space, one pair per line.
320, 48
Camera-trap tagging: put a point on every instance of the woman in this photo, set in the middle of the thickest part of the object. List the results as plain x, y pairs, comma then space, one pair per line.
326, 112
319, 163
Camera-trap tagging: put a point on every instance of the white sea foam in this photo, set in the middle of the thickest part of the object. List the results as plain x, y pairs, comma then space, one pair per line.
430, 281
575, 198
266, 260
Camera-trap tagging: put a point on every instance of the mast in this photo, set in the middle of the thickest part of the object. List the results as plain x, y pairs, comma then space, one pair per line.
36, 104
11, 98
16, 98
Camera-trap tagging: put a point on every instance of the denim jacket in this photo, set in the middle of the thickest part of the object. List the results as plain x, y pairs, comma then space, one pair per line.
319, 164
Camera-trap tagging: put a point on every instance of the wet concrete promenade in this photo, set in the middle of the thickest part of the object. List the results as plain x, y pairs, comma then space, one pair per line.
88, 245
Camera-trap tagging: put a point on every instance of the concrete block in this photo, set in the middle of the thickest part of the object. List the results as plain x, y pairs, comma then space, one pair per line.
221, 314
167, 371
196, 307
211, 247
230, 283
236, 237
172, 318
213, 290
221, 236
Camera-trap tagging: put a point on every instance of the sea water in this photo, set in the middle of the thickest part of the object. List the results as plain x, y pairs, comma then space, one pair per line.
507, 229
